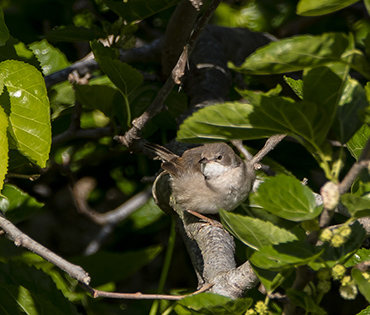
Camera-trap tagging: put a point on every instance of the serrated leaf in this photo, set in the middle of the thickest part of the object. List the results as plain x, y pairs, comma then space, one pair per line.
295, 85
139, 9
209, 303
295, 53
4, 149
285, 256
4, 32
353, 101
51, 59
319, 7
124, 77
264, 117
358, 141
29, 116
17, 205
365, 311
27, 290
255, 232
286, 197
104, 267
361, 255
303, 300
363, 283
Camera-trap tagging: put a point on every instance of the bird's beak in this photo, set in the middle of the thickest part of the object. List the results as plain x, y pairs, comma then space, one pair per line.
203, 160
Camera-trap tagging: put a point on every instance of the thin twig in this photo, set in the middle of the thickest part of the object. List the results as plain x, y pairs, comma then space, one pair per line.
270, 144
21, 239
158, 104
84, 186
140, 296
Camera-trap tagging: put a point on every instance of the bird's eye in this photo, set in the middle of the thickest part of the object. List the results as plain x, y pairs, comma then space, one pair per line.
219, 157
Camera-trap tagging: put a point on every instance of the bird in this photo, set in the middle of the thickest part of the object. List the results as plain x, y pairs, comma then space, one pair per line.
206, 178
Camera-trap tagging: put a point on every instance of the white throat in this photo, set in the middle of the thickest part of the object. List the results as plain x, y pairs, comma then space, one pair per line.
213, 169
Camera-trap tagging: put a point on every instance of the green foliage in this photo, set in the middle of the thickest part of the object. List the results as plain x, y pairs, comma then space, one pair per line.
323, 107
207, 303
317, 7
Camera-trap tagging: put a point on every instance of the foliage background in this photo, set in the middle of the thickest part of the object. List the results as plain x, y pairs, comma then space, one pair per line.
132, 255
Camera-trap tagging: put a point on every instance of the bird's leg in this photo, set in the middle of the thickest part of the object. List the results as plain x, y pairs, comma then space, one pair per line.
205, 219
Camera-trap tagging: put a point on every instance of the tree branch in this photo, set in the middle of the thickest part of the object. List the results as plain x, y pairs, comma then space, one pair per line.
157, 105
21, 239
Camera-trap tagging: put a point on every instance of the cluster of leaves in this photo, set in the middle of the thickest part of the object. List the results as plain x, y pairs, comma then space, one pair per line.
330, 106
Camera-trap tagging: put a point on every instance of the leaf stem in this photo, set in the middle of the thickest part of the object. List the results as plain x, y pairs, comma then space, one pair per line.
166, 266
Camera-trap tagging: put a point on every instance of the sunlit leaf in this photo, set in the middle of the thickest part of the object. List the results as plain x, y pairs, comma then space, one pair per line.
319, 7
51, 59
286, 197
255, 232
16, 204
285, 256
29, 112
362, 283
295, 53
357, 143
4, 149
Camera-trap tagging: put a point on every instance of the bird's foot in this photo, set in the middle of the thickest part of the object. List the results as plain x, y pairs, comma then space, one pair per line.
205, 218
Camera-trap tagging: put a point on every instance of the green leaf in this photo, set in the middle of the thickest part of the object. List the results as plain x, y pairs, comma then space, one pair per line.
286, 197
139, 9
358, 141
255, 232
365, 311
51, 59
357, 206
367, 5
361, 255
29, 112
4, 32
73, 33
296, 85
319, 7
27, 290
271, 280
4, 149
117, 266
352, 103
16, 204
363, 284
209, 303
285, 256
323, 88
295, 53
303, 300
104, 98
124, 77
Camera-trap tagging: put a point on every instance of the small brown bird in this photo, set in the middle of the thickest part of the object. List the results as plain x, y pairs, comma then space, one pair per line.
207, 178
